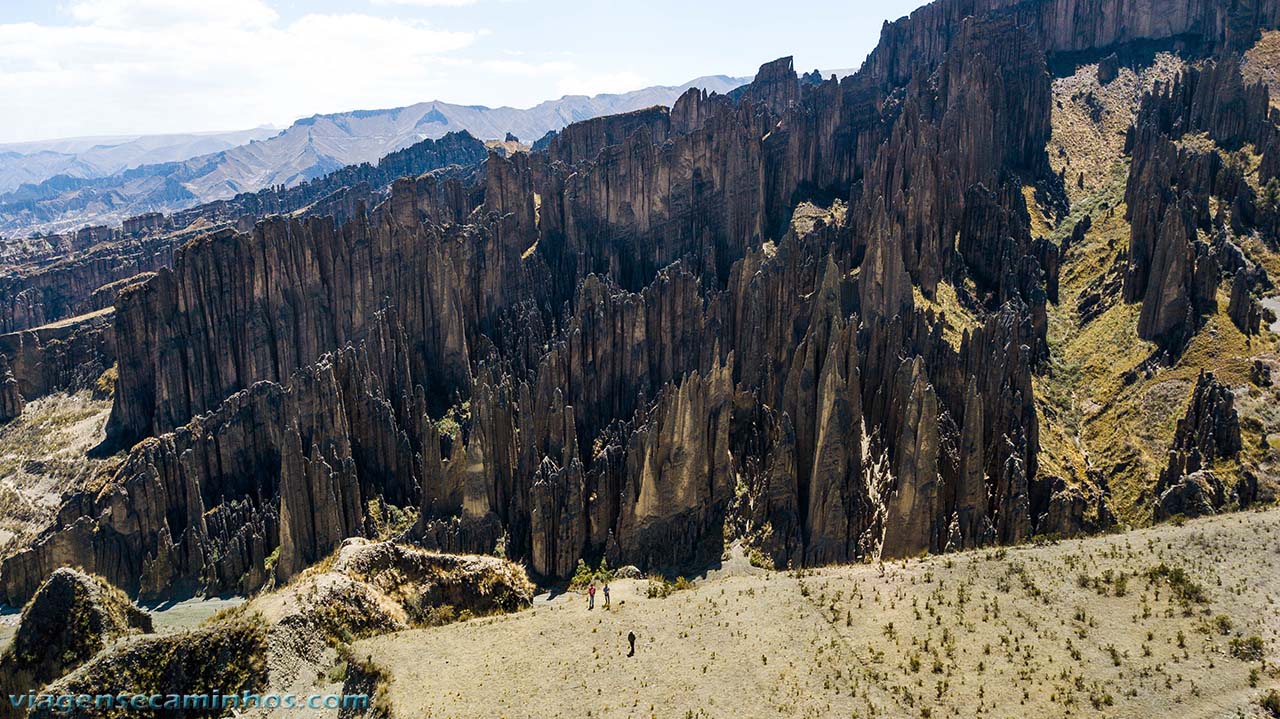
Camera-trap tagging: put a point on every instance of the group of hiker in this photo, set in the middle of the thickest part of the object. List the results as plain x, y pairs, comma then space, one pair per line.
591, 595
591, 604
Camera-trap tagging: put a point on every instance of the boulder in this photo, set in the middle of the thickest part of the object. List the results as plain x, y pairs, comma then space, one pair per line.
1193, 495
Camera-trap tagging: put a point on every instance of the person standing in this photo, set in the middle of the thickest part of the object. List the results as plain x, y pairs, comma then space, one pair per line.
591, 596
631, 637
606, 595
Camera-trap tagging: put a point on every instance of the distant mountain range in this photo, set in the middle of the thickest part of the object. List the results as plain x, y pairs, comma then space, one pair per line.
89, 157
68, 195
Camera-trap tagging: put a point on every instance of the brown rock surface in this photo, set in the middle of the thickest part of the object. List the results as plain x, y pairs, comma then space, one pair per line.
10, 399
662, 324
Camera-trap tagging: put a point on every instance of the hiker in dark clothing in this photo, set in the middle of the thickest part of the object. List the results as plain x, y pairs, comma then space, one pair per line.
591, 596
606, 595
631, 637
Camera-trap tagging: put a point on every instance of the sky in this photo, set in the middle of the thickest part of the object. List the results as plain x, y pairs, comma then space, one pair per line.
71, 68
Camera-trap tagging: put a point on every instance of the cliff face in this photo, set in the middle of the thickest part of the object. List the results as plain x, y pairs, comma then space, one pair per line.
10, 399
1190, 203
34, 296
67, 356
84, 275
663, 328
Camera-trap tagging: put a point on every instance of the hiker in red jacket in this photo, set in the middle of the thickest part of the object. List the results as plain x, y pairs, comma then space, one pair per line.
591, 596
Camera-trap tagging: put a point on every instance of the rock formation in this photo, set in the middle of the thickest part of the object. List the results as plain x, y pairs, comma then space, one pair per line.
1173, 270
85, 276
1209, 430
223, 658
10, 399
67, 356
661, 325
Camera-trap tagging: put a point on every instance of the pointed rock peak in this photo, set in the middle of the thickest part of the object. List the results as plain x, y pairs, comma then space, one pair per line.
775, 85
782, 68
885, 286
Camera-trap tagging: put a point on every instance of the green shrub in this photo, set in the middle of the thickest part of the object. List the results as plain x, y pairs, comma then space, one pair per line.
1222, 623
1247, 649
581, 576
1270, 703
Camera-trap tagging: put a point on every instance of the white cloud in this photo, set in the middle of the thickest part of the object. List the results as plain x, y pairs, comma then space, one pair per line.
426, 3
127, 66
165, 13
596, 83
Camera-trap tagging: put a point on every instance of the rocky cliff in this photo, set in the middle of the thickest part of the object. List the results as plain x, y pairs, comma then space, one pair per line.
811, 314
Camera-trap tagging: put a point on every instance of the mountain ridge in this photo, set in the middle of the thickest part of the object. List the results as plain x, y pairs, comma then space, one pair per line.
307, 149
33, 162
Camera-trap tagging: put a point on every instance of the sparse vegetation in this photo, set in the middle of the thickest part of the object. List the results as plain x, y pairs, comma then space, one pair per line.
1249, 649
1079, 627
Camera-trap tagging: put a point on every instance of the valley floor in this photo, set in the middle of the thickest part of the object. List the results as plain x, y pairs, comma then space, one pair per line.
1158, 621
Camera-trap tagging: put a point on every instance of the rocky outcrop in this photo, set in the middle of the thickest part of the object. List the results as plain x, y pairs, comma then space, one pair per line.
1210, 430
225, 658
1183, 284
42, 294
1066, 510
1192, 495
584, 140
379, 587
911, 512
68, 356
1243, 307
11, 402
1172, 270
678, 474
70, 618
657, 326
1067, 28
73, 282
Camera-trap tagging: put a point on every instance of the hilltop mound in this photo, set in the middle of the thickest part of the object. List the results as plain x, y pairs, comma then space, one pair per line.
71, 618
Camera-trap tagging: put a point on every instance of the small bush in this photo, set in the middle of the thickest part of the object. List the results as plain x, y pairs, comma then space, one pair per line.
581, 576
105, 386
660, 587
1186, 590
1270, 703
1247, 649
759, 559
1222, 624
1122, 585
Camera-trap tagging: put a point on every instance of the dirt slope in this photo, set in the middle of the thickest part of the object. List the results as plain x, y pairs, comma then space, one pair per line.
1043, 631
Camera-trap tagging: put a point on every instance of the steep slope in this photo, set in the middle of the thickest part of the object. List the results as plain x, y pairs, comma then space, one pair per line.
72, 617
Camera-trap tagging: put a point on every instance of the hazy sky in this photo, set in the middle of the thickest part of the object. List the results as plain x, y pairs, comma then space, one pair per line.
102, 67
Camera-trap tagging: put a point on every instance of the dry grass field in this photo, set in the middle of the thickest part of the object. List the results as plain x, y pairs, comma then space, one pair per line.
1170, 620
